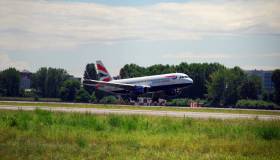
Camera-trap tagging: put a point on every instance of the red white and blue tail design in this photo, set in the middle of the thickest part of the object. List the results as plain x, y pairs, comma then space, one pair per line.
102, 72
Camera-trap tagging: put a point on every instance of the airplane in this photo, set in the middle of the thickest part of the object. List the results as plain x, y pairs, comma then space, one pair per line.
168, 83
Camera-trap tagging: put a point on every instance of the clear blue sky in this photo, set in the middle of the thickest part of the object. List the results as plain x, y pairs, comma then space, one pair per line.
70, 34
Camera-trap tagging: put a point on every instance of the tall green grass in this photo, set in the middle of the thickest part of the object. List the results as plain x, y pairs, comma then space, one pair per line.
46, 135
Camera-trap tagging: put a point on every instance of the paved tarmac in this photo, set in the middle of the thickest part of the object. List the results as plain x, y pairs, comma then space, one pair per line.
92, 104
199, 115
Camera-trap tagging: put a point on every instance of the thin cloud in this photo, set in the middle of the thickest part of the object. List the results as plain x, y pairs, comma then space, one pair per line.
259, 67
197, 56
48, 24
6, 62
219, 56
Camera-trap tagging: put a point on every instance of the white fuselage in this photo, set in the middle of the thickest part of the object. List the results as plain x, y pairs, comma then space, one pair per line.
155, 83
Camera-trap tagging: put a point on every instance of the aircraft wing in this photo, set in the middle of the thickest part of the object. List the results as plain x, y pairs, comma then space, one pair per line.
96, 83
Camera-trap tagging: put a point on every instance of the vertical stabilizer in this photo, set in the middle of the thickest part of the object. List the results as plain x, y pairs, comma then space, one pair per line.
103, 74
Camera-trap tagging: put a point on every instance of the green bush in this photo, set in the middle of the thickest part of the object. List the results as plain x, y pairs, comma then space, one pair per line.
93, 98
178, 102
255, 104
69, 89
36, 98
109, 100
82, 96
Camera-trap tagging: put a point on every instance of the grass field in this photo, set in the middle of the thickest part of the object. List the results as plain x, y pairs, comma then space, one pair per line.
47, 135
163, 108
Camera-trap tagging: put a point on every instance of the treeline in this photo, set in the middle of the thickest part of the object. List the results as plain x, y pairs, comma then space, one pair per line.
9, 82
227, 86
53, 83
221, 86
213, 82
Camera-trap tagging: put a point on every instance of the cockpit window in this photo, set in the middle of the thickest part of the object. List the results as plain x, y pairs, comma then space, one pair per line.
181, 77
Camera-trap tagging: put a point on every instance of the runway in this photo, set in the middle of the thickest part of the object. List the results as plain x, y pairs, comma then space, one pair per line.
198, 115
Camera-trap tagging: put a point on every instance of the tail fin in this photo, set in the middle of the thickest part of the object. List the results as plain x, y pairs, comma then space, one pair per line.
102, 72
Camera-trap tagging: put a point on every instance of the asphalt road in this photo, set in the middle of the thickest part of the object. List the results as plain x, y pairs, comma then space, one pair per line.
200, 115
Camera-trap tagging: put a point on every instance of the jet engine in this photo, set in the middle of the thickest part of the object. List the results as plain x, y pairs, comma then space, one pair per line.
140, 90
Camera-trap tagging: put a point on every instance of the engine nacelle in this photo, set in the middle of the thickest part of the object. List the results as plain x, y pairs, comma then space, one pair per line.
174, 92
140, 90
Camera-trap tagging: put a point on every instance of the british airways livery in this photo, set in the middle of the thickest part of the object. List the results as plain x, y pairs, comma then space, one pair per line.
138, 85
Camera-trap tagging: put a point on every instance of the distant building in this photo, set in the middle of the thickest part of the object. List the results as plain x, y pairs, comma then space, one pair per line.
265, 77
25, 79
26, 82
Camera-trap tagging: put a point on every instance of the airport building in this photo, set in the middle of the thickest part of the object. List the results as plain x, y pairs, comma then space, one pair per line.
265, 77
25, 79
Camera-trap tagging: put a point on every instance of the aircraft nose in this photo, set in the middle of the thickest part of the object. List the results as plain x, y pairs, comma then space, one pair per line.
190, 80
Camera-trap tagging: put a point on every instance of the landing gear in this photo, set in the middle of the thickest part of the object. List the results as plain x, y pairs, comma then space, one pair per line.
133, 97
155, 98
158, 95
172, 93
178, 91
128, 98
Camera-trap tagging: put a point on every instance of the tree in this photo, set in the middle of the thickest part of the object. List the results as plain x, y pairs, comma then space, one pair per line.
9, 82
276, 81
235, 77
159, 69
39, 80
69, 89
82, 96
132, 70
90, 73
267, 96
217, 86
250, 88
197, 72
47, 81
223, 86
3, 91
200, 73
